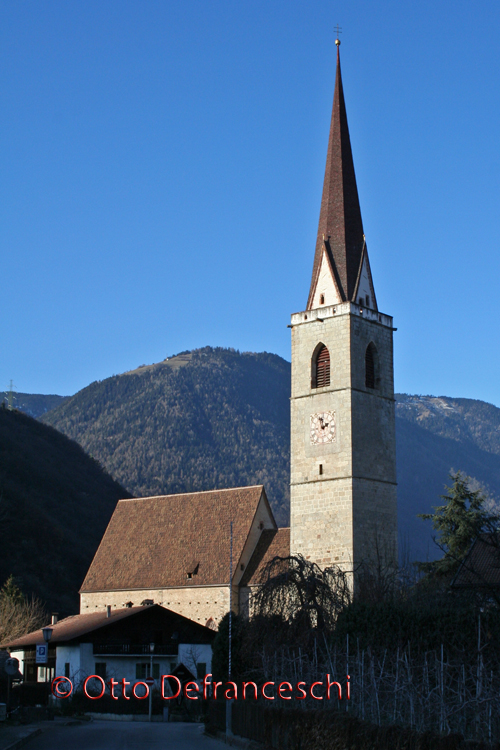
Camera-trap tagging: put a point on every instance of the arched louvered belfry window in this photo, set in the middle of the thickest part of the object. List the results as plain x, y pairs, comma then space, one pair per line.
321, 367
370, 365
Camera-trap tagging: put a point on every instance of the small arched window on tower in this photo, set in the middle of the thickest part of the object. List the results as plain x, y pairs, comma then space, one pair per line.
371, 366
320, 367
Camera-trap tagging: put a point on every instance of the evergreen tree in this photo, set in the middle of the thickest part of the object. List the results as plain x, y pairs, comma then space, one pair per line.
458, 523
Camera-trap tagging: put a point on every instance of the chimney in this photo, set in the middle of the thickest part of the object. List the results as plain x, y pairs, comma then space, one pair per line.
108, 610
55, 618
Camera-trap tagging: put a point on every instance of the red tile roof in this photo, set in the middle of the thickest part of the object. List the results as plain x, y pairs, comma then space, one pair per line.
73, 627
80, 625
271, 544
481, 567
154, 542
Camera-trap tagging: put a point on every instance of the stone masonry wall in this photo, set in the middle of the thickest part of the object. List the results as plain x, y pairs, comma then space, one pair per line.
199, 604
343, 492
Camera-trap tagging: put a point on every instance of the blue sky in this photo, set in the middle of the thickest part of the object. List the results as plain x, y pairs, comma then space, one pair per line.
161, 171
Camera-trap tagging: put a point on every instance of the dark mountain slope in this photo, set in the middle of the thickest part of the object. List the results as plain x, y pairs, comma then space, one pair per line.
424, 460
34, 404
464, 420
55, 504
201, 420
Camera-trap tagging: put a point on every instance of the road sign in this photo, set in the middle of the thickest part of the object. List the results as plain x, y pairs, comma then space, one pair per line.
11, 666
42, 653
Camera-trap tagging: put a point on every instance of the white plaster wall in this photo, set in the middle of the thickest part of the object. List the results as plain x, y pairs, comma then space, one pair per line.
192, 654
87, 661
20, 656
326, 286
262, 516
364, 288
68, 655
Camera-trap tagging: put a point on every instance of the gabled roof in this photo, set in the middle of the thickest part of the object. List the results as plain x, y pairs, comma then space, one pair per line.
271, 544
174, 540
340, 229
481, 568
77, 626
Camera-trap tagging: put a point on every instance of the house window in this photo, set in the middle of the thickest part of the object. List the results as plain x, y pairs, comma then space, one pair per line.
143, 670
201, 670
322, 299
66, 669
100, 669
370, 365
321, 367
320, 469
367, 300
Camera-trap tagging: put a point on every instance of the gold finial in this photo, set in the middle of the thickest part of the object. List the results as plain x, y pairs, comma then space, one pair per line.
338, 31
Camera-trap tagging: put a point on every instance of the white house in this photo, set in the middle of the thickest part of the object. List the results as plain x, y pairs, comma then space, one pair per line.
120, 643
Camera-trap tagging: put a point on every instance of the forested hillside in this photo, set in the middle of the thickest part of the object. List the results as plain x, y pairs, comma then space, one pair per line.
33, 404
217, 418
203, 419
55, 504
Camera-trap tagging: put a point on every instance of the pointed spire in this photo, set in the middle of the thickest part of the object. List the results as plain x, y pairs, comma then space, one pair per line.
340, 230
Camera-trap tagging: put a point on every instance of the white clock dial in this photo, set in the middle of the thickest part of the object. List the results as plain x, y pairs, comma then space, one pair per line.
323, 428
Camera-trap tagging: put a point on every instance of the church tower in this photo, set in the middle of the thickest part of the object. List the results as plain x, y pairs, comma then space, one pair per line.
343, 444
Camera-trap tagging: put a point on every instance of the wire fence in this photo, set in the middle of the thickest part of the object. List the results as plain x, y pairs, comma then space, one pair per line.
431, 691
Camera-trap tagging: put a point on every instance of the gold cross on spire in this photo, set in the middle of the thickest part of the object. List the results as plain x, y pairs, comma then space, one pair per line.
338, 31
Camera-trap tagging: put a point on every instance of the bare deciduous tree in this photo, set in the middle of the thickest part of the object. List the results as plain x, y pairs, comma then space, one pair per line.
18, 615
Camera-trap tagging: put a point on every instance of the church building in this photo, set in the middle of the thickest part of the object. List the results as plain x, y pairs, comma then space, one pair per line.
176, 550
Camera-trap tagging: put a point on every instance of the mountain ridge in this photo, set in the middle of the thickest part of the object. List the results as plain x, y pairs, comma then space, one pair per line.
215, 417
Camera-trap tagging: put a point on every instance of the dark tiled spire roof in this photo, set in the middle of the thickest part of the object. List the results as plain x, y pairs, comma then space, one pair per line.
340, 228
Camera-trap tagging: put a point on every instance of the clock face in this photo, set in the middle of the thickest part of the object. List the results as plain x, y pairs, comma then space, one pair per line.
323, 428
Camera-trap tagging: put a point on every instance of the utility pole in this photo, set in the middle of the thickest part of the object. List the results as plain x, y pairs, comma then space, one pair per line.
10, 396
229, 705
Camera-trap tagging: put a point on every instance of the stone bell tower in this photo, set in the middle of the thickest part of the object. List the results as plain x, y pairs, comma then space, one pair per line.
343, 444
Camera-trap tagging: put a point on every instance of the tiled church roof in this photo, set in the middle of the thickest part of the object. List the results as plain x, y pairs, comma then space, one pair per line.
173, 540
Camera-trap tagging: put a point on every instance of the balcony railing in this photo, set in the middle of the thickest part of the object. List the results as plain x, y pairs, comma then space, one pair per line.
134, 649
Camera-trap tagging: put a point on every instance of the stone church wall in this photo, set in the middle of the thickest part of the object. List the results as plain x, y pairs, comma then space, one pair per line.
199, 604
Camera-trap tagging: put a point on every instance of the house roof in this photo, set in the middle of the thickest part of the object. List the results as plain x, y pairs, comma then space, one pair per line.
481, 567
271, 544
340, 229
77, 626
174, 540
